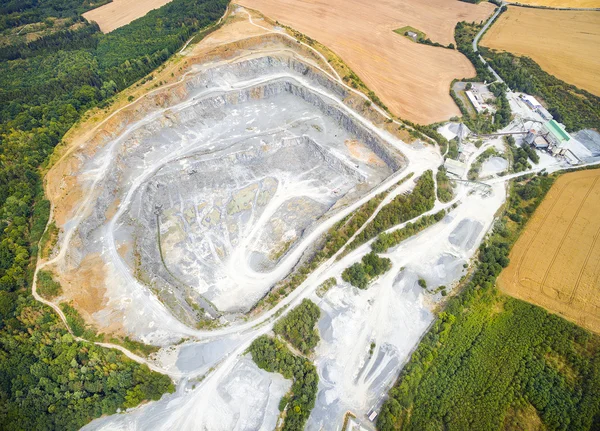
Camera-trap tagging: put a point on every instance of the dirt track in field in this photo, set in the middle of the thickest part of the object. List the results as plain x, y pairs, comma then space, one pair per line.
413, 80
121, 12
556, 261
565, 44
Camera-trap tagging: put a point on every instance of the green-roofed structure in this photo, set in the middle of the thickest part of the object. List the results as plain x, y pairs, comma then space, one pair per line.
556, 134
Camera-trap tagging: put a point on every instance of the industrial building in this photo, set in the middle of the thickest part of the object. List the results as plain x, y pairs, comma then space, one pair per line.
544, 113
455, 167
530, 101
555, 134
536, 106
474, 101
538, 141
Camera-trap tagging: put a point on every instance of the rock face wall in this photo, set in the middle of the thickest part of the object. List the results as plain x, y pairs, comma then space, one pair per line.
215, 191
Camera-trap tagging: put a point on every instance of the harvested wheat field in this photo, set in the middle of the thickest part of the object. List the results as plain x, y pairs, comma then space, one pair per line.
411, 79
563, 3
565, 44
121, 12
556, 261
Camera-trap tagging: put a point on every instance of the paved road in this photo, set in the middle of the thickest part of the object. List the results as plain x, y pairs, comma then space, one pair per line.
481, 32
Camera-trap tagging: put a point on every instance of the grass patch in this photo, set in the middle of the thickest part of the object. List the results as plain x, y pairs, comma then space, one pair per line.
77, 324
46, 286
407, 28
49, 239
325, 286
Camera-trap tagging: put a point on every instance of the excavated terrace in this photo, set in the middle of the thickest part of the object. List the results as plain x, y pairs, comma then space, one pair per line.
205, 201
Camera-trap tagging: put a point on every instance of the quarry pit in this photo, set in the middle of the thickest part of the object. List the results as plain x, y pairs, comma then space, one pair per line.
202, 196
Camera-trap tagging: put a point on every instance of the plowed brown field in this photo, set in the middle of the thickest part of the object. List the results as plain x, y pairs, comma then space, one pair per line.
556, 261
565, 44
121, 12
413, 80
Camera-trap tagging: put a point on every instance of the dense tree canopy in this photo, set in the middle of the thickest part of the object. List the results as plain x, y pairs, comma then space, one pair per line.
360, 274
298, 326
47, 380
273, 356
50, 381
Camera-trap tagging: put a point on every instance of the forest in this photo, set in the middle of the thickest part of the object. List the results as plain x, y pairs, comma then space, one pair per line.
298, 326
45, 87
362, 273
576, 108
15, 13
402, 208
273, 356
50, 381
493, 362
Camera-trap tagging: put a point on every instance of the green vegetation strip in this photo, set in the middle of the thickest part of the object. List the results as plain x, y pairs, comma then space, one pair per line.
421, 37
489, 358
445, 192
272, 355
481, 122
476, 166
399, 210
298, 326
386, 240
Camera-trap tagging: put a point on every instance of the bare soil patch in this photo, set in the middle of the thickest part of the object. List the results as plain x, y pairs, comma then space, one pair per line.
411, 79
121, 12
361, 152
84, 286
555, 263
564, 43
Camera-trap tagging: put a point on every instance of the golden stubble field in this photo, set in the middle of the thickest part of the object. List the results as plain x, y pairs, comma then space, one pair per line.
555, 263
565, 44
413, 80
121, 12
563, 3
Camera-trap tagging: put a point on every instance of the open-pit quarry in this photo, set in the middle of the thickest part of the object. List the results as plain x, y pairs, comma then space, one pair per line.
182, 208
204, 198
